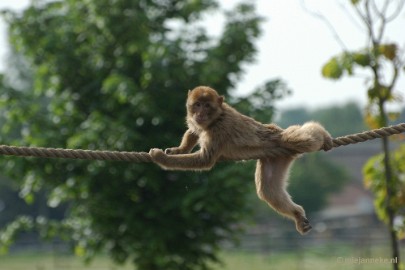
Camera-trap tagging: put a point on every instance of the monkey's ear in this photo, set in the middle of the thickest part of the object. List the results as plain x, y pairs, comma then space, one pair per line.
189, 92
220, 100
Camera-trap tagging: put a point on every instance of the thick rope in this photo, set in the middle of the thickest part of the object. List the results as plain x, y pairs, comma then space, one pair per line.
144, 157
369, 135
74, 154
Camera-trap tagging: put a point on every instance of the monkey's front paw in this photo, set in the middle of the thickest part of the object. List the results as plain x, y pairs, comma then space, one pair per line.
156, 154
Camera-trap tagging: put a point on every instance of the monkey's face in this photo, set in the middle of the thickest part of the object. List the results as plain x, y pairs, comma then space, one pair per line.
204, 105
203, 112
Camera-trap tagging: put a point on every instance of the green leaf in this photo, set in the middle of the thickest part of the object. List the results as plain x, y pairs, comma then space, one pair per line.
347, 62
362, 59
332, 69
374, 180
388, 50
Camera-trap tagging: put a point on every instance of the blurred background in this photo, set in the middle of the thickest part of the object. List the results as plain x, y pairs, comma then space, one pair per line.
113, 75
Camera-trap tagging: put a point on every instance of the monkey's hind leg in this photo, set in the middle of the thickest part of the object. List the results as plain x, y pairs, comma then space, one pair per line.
271, 183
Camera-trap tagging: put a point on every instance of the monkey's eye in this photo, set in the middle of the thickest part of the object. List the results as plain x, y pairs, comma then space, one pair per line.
197, 104
207, 106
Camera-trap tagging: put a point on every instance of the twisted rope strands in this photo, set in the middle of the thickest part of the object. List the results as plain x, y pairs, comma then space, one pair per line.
74, 154
144, 157
369, 135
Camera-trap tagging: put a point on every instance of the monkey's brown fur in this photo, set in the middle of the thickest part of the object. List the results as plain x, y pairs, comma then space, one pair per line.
222, 132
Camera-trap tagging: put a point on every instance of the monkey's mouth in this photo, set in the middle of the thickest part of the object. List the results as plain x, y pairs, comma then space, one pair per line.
201, 119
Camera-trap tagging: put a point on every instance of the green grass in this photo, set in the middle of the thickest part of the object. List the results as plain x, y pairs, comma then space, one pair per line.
313, 259
32, 261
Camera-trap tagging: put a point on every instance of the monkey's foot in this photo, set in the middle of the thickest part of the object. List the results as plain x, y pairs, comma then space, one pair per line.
303, 226
156, 154
173, 151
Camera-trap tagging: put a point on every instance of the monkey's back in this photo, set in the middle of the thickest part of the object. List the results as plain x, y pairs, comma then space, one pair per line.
242, 137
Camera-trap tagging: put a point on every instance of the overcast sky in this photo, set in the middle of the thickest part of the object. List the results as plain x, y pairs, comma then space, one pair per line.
294, 47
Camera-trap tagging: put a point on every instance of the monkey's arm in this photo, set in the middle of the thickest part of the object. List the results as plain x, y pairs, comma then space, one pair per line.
199, 160
187, 144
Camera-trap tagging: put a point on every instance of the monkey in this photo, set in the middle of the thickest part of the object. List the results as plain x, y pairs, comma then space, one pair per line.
223, 133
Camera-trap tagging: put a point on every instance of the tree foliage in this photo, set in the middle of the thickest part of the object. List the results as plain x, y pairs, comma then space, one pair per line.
113, 75
384, 62
381, 59
339, 120
319, 175
374, 180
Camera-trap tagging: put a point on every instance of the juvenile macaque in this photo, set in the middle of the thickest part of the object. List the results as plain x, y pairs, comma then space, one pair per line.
224, 133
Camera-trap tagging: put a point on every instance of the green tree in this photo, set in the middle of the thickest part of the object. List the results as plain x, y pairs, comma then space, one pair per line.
374, 180
320, 176
338, 120
377, 57
341, 120
113, 75
258, 104
294, 116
